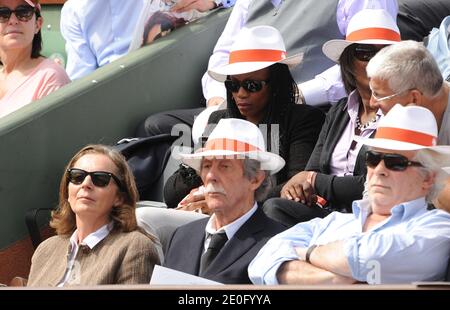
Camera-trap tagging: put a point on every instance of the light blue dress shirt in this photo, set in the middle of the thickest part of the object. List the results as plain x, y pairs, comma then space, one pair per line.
97, 32
439, 46
413, 244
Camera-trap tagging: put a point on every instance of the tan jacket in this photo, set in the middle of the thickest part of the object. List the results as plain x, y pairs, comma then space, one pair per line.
120, 258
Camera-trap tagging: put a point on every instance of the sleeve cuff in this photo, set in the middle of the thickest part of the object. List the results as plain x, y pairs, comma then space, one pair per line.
314, 92
326, 87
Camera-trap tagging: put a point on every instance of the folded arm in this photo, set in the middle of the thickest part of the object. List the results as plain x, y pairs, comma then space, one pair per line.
300, 272
330, 257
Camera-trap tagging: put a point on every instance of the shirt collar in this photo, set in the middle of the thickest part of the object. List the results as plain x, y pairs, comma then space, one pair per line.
231, 228
410, 209
407, 210
92, 239
353, 104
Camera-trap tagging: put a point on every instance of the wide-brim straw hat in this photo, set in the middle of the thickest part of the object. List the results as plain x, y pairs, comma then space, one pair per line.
236, 138
254, 49
366, 27
408, 128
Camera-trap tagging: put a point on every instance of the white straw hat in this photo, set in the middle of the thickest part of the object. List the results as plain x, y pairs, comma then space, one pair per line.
406, 128
254, 49
237, 138
366, 27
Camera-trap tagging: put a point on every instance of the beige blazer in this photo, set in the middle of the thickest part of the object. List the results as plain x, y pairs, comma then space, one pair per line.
120, 258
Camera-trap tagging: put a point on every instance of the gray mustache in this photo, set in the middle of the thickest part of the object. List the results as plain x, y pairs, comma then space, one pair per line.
211, 188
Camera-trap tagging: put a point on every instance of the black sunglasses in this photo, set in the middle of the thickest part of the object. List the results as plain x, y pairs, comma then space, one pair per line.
365, 52
23, 13
99, 178
252, 86
395, 162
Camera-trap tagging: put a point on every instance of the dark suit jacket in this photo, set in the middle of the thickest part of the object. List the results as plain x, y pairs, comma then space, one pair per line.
230, 265
339, 191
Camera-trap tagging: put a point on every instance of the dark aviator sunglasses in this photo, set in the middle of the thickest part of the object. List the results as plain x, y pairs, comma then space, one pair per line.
252, 86
99, 178
395, 162
23, 13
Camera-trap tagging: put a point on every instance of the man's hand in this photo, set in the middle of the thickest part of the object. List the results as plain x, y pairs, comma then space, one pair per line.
194, 201
215, 101
187, 5
299, 189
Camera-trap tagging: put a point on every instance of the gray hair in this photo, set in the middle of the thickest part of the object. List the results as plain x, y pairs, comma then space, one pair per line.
251, 168
430, 164
407, 65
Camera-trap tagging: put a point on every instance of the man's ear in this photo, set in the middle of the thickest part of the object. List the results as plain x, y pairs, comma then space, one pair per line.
429, 180
416, 97
258, 179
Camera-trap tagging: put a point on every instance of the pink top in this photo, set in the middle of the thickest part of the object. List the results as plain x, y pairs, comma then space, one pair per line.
44, 79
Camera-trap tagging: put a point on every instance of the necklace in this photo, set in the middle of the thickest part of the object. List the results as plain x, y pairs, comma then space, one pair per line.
360, 126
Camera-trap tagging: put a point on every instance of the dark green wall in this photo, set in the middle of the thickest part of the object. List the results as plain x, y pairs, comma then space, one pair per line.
37, 141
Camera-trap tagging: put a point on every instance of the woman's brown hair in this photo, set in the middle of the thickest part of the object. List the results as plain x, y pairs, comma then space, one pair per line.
123, 216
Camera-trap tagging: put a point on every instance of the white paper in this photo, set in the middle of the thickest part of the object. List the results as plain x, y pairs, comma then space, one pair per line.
166, 276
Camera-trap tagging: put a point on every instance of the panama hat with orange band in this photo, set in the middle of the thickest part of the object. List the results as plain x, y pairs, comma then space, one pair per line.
408, 128
368, 26
254, 49
236, 139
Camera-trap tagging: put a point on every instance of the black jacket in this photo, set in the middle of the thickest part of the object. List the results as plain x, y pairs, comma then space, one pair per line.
339, 191
230, 265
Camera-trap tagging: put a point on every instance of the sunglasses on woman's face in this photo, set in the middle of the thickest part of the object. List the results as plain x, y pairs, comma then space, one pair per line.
395, 162
99, 178
252, 86
365, 52
23, 13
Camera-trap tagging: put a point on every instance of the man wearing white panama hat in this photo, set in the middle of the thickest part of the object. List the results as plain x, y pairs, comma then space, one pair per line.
233, 166
391, 237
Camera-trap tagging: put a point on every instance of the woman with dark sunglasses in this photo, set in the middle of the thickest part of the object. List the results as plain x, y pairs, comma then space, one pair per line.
261, 89
335, 173
25, 75
98, 240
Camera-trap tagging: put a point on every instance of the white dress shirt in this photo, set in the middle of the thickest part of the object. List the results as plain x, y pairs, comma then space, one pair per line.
230, 229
